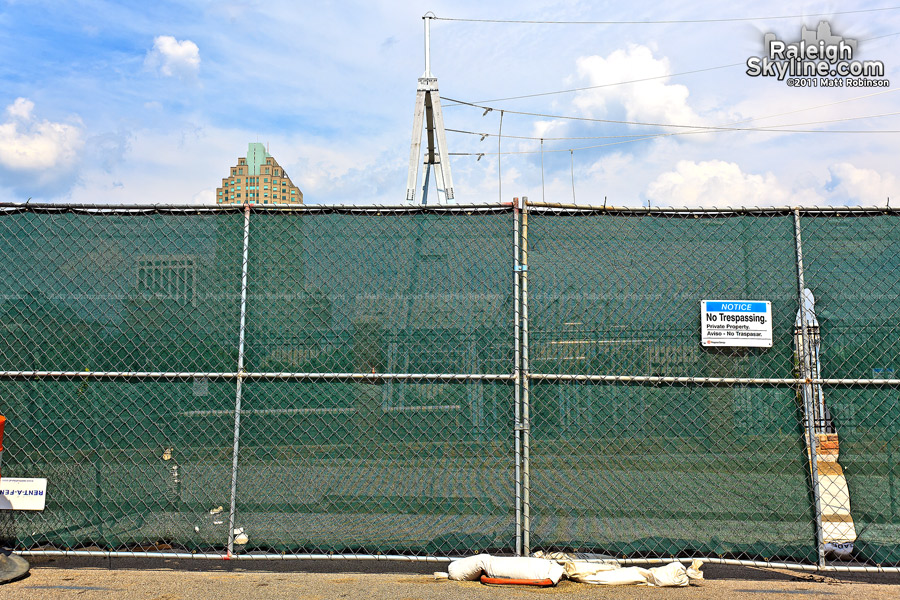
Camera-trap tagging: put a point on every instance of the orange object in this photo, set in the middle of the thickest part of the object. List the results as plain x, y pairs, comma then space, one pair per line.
505, 581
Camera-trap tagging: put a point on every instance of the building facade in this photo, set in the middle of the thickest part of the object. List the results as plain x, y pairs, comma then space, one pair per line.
258, 179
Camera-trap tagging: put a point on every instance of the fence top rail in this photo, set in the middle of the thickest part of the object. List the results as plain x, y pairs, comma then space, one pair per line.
7, 208
550, 208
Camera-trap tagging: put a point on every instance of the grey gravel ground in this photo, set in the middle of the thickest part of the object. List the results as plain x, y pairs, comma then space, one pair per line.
138, 579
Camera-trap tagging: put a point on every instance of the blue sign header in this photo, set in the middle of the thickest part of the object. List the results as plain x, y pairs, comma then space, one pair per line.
736, 307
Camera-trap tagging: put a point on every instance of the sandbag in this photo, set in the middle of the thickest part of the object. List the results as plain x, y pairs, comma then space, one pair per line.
672, 575
522, 567
468, 568
620, 576
579, 569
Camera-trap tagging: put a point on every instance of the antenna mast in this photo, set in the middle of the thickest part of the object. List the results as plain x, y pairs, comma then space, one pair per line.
428, 115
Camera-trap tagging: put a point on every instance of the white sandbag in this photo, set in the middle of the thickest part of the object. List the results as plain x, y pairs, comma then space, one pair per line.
468, 568
522, 567
620, 576
578, 569
694, 573
672, 575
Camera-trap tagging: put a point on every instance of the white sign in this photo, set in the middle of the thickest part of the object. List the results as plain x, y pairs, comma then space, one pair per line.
736, 323
22, 494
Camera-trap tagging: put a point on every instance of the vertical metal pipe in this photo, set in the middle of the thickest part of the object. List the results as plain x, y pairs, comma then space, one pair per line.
517, 373
572, 156
543, 199
807, 394
526, 400
240, 378
499, 170
427, 20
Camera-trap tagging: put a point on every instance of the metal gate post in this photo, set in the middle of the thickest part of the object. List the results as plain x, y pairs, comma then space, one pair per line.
517, 371
240, 378
525, 425
807, 395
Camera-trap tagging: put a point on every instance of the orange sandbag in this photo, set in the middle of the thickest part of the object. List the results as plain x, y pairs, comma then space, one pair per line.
506, 581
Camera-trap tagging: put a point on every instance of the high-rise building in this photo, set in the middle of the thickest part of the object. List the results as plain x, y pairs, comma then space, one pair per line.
258, 179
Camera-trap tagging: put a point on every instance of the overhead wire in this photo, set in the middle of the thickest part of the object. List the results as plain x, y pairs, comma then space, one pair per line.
700, 130
668, 21
672, 125
644, 136
628, 82
602, 85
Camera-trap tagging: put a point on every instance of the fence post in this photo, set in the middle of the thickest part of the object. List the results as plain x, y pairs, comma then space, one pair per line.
526, 389
517, 373
807, 394
240, 378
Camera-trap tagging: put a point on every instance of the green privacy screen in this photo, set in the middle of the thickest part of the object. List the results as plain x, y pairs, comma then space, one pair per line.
379, 394
853, 265
629, 469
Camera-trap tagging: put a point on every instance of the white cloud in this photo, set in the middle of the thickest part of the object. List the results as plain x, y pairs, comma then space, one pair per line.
716, 183
30, 145
207, 196
20, 109
173, 58
867, 187
652, 101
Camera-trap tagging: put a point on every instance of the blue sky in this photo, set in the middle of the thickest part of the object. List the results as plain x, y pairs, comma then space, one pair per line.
152, 102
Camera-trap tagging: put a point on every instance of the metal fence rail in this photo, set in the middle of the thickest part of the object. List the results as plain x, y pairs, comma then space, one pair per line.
418, 383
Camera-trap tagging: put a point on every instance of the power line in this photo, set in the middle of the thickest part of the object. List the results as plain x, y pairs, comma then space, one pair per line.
604, 85
700, 130
644, 136
649, 124
549, 139
668, 21
649, 137
595, 87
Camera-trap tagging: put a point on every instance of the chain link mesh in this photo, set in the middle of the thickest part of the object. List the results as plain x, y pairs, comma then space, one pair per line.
384, 465
662, 468
852, 267
380, 388
377, 393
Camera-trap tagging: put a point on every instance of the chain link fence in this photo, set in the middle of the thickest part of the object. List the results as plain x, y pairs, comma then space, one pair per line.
422, 383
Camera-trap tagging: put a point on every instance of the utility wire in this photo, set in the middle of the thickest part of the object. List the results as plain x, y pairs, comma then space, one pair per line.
669, 21
528, 137
658, 135
604, 85
649, 124
644, 136
699, 130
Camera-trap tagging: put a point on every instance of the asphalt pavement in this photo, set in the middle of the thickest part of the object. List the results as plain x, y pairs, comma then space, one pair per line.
157, 579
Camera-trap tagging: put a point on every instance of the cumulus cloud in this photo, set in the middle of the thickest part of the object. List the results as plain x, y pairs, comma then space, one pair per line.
173, 58
649, 101
716, 183
851, 185
28, 145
